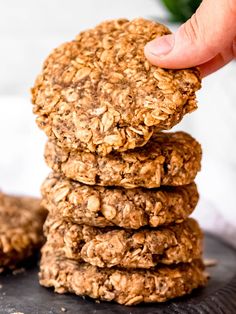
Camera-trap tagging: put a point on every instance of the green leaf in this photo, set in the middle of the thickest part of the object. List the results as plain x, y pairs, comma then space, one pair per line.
181, 10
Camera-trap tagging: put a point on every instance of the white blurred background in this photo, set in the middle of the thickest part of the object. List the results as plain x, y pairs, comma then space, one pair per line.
29, 30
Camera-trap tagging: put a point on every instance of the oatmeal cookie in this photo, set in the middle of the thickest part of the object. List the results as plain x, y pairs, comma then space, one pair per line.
109, 247
127, 287
167, 159
99, 93
127, 208
21, 232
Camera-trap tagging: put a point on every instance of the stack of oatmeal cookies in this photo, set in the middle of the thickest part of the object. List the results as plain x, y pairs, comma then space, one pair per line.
121, 191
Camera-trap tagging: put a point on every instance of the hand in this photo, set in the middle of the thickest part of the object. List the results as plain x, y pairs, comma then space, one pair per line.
207, 40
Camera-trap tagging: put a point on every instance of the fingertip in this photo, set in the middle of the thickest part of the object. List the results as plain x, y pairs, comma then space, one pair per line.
150, 57
168, 53
156, 50
161, 46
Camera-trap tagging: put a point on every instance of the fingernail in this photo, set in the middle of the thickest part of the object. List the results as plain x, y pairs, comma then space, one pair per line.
161, 46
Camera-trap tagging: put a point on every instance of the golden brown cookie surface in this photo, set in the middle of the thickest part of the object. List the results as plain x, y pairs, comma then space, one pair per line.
126, 208
109, 247
21, 232
167, 159
127, 287
99, 93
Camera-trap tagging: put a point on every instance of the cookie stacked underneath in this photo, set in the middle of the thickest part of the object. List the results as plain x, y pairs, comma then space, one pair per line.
121, 191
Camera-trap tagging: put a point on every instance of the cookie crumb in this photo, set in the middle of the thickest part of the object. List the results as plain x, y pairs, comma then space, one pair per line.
207, 275
18, 271
210, 262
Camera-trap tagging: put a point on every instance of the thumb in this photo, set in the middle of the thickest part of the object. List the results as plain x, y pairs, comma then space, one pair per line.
210, 30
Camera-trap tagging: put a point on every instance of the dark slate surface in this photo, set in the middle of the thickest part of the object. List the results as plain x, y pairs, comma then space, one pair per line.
22, 293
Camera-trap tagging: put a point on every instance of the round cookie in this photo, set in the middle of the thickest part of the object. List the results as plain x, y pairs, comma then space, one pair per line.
21, 233
109, 247
132, 208
171, 159
99, 93
127, 287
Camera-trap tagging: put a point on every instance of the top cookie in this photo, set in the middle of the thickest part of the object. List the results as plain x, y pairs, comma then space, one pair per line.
99, 93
